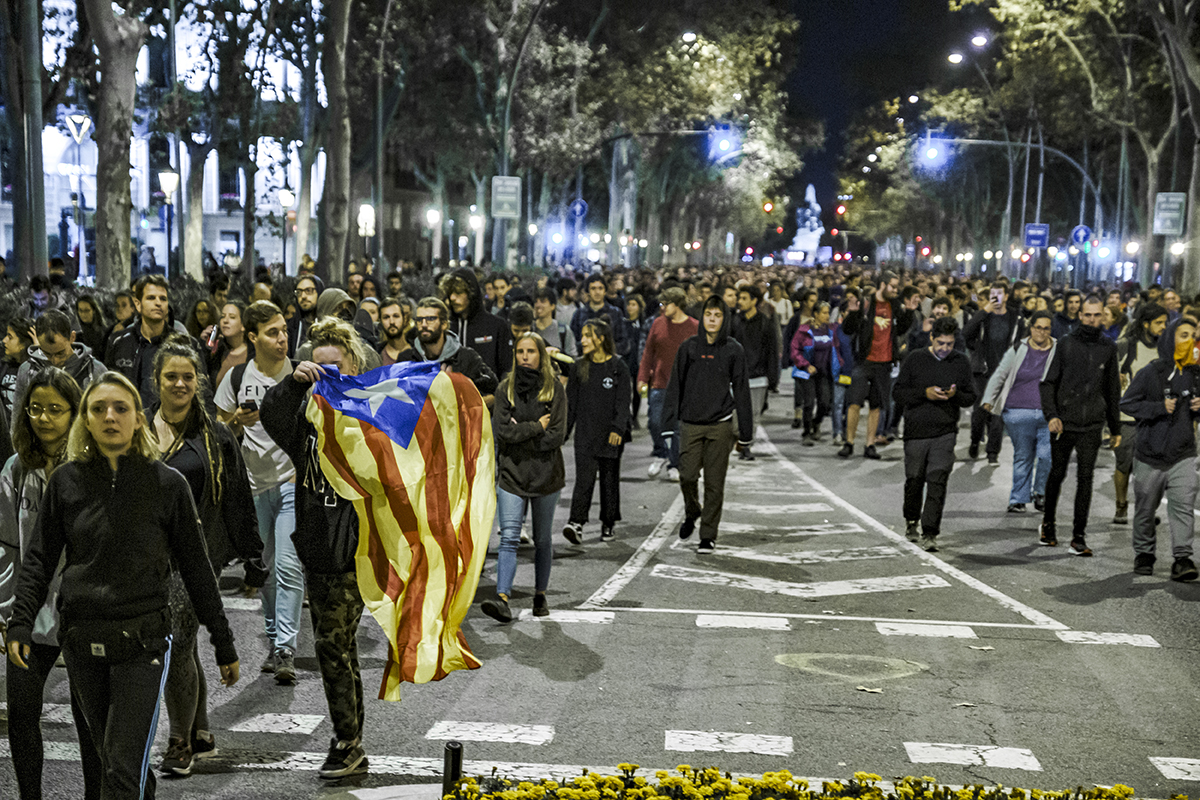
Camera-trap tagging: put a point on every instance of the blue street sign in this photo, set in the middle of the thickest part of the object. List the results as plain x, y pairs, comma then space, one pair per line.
1081, 235
579, 208
1037, 234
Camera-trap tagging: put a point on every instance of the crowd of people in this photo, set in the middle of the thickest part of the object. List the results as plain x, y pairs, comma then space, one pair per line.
145, 456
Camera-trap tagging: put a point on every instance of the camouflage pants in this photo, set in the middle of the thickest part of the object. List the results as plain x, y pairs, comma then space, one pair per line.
336, 608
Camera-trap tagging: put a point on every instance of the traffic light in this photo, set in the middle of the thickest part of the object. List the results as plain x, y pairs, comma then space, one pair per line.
833, 232
768, 206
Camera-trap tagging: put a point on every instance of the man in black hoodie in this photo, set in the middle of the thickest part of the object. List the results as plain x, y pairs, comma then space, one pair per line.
1067, 320
1164, 398
759, 337
475, 328
1080, 391
935, 383
708, 384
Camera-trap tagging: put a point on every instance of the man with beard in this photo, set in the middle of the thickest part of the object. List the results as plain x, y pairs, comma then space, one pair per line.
1138, 348
308, 290
435, 342
391, 325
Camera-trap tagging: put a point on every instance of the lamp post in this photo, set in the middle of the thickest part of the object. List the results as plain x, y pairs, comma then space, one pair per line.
286, 199
434, 218
78, 125
366, 224
169, 181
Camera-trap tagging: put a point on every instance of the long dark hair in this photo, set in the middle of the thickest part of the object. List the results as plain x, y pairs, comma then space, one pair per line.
603, 332
25, 442
198, 423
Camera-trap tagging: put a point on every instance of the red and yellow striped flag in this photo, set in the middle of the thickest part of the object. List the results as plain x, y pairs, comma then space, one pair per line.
412, 448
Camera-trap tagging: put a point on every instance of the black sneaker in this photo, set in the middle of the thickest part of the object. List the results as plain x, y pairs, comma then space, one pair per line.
497, 608
746, 455
285, 666
973, 450
540, 608
1016, 508
871, 453
607, 534
687, 527
1143, 564
993, 461
846, 451
345, 758
808, 440
178, 760
706, 546
912, 530
1039, 502
269, 664
573, 532
1184, 570
204, 744
1046, 532
795, 424
1121, 517
1078, 547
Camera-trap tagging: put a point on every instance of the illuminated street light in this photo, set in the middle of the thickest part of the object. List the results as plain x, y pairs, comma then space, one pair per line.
696, 245
958, 257
872, 158
968, 256
912, 98
607, 238
1104, 252
955, 58
689, 37
937, 259
476, 222
666, 248
1052, 251
433, 217
533, 229
1132, 248
931, 153
595, 238
624, 241
979, 40
687, 245
556, 238
866, 169
462, 242
1015, 253
987, 255
1073, 250
1178, 248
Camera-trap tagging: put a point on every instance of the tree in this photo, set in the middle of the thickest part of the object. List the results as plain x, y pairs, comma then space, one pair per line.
335, 200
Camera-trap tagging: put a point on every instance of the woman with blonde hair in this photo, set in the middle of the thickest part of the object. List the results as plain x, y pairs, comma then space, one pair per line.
120, 516
529, 422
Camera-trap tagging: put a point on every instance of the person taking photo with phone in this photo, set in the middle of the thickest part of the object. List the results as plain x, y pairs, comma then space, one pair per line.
990, 334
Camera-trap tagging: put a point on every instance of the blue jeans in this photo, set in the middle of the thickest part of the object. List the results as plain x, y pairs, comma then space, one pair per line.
839, 409
510, 509
1031, 442
283, 593
664, 446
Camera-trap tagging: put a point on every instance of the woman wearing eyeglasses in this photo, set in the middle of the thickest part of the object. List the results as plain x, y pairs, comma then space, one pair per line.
1013, 388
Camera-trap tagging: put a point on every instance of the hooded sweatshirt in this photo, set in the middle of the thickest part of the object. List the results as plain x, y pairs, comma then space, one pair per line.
327, 303
1163, 439
1082, 385
81, 365
709, 381
484, 333
462, 360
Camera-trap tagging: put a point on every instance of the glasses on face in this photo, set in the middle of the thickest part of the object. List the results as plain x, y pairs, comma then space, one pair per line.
52, 412
306, 291
427, 320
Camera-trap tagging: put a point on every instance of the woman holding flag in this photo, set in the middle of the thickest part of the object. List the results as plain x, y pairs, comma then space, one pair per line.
529, 422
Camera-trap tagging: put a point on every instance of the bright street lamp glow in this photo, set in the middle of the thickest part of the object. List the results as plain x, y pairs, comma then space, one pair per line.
987, 255
286, 198
595, 237
695, 245
556, 238
955, 58
462, 241
931, 153
872, 158
1052, 250
433, 217
643, 243
169, 181
476, 222
1132, 248
1104, 252
666, 248
1015, 253
968, 256
723, 145
533, 229
958, 256
687, 245
1178, 248
866, 169
607, 238
937, 259
624, 241
1073, 250
689, 37
979, 41
912, 98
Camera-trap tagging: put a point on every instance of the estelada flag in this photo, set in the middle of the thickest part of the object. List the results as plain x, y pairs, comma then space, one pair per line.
411, 447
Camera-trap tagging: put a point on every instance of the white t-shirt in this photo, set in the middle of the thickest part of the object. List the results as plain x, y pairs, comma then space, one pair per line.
267, 464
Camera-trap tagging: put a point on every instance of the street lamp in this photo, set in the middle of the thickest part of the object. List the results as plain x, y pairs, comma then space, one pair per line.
979, 40
286, 200
689, 37
1132, 248
169, 181
1178, 248
78, 125
533, 229
955, 58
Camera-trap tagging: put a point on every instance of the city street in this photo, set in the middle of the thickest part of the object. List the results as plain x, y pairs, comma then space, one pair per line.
816, 639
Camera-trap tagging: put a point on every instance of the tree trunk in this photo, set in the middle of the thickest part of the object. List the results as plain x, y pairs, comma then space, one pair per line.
118, 39
1191, 256
250, 216
307, 151
193, 231
14, 98
481, 210
335, 202
543, 220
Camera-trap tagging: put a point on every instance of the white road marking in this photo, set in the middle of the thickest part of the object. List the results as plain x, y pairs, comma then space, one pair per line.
1088, 637
934, 631
491, 732
829, 618
741, 621
775, 492
1033, 615
817, 529
788, 508
280, 723
1177, 769
653, 543
716, 742
568, 615
818, 589
972, 754
804, 556
242, 603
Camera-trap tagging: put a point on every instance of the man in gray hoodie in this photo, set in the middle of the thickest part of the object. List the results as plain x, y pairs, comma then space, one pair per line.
57, 348
435, 342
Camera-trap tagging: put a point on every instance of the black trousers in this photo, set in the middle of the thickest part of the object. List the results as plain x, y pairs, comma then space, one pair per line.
815, 398
1086, 445
927, 465
586, 468
983, 422
25, 688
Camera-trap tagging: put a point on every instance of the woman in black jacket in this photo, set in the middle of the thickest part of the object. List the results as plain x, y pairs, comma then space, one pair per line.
598, 400
206, 453
120, 517
529, 422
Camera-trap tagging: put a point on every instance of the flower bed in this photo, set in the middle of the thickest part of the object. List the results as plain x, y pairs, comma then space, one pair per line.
711, 784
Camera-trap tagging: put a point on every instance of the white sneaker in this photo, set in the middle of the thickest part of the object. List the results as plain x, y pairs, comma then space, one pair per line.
673, 475
656, 466
838, 441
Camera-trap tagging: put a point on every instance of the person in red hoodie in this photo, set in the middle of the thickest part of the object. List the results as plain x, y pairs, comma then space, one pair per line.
669, 330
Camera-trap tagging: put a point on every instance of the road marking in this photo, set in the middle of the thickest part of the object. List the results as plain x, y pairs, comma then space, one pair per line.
280, 723
827, 617
775, 492
491, 732
242, 603
716, 742
568, 615
804, 556
653, 543
787, 508
1088, 637
818, 529
51, 751
818, 589
934, 631
742, 621
1177, 769
1014, 605
972, 754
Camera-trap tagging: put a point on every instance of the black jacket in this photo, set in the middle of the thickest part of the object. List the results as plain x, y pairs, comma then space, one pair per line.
925, 418
985, 353
759, 339
326, 535
1061, 325
121, 531
484, 333
599, 407
1082, 385
132, 355
860, 327
530, 462
708, 382
616, 323
462, 360
1163, 440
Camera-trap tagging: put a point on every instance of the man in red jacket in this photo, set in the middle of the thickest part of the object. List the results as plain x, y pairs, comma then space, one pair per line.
668, 331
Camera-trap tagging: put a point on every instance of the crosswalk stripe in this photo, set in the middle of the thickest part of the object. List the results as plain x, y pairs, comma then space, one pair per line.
817, 529
652, 544
972, 755
805, 556
1177, 769
932, 631
280, 723
1088, 637
818, 589
741, 621
242, 603
787, 508
716, 742
491, 732
568, 615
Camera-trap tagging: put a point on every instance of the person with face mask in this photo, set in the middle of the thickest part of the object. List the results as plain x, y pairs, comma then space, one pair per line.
1080, 391
934, 385
1164, 398
1136, 349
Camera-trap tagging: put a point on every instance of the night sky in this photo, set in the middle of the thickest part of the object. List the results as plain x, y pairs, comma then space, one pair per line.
854, 53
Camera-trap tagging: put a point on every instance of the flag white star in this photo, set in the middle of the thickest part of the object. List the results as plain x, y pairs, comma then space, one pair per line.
376, 394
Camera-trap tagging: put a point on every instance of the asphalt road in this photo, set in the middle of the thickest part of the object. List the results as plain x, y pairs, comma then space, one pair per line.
815, 639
